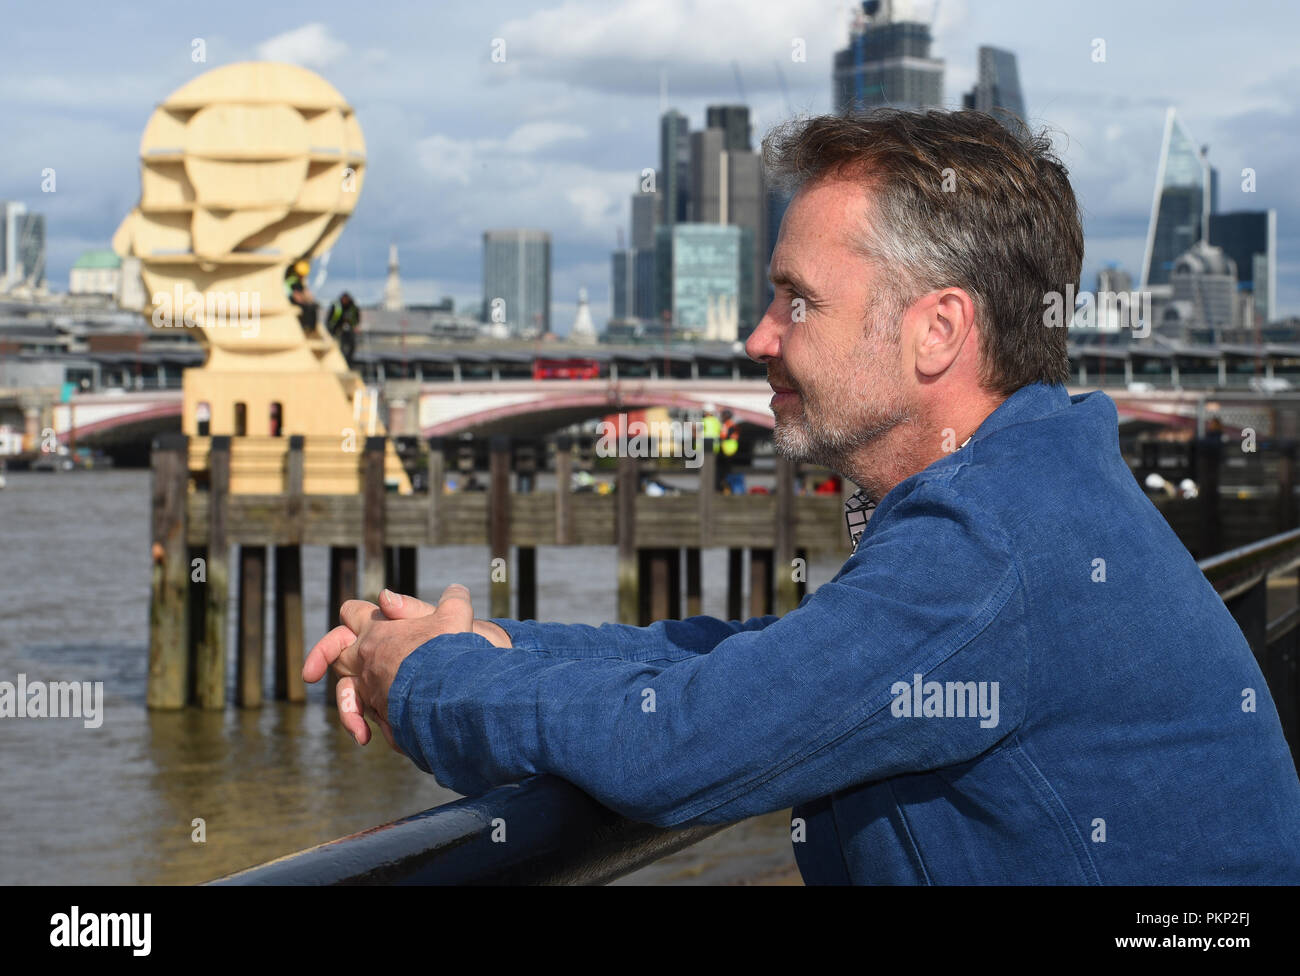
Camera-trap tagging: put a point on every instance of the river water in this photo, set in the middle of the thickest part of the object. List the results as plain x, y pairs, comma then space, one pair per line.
117, 804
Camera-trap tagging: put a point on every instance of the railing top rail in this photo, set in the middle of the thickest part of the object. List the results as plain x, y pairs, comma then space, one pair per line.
553, 833
1236, 570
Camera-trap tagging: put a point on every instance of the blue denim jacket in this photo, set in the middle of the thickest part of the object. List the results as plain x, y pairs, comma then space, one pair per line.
1020, 676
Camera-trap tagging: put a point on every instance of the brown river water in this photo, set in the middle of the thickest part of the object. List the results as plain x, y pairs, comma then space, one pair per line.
116, 804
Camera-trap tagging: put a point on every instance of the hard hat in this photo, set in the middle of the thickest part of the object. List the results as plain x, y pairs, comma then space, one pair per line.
302, 267
709, 408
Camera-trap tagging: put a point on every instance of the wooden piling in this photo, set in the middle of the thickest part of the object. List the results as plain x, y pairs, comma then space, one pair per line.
437, 482
735, 583
787, 589
373, 568
708, 488
563, 490
210, 655
760, 582
1209, 453
252, 626
342, 587
289, 635
499, 524
168, 627
625, 493
694, 594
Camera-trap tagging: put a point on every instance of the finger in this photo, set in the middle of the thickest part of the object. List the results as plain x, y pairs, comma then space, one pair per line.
350, 705
326, 652
397, 606
356, 613
454, 613
348, 662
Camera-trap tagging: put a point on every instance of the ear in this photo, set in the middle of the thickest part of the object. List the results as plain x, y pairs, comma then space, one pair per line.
941, 322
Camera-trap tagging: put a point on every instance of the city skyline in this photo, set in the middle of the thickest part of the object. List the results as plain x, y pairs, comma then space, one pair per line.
554, 136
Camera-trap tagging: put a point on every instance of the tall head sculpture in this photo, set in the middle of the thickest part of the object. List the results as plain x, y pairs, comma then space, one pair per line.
245, 171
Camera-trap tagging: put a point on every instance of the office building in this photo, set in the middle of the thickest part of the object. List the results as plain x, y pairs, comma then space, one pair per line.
998, 89
733, 120
1180, 208
705, 278
22, 247
1249, 237
887, 62
674, 166
517, 281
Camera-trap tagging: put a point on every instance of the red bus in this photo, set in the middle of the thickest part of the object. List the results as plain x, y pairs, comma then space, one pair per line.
573, 368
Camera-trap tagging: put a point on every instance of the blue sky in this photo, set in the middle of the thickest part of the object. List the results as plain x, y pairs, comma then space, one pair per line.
556, 136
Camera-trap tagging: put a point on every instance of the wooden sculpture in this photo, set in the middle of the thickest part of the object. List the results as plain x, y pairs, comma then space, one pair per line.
246, 171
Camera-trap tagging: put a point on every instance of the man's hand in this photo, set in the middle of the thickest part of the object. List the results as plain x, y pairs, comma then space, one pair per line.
396, 606
368, 649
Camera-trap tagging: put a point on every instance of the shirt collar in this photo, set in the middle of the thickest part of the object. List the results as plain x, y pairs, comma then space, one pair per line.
1031, 402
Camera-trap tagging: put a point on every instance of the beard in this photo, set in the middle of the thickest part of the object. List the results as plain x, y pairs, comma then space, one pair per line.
829, 425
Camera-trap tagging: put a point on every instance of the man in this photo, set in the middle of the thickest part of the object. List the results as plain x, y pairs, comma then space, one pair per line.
344, 321
1019, 676
300, 296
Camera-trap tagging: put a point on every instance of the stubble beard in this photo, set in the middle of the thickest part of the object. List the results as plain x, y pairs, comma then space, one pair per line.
831, 429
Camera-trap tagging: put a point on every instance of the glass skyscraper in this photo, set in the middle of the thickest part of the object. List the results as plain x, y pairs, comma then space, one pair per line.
517, 280
1249, 237
998, 89
700, 266
1181, 207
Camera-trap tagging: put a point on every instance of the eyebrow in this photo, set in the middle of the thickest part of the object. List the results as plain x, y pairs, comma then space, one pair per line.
781, 276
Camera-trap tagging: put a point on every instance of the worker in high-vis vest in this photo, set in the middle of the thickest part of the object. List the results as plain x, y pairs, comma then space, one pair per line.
730, 446
711, 427
299, 295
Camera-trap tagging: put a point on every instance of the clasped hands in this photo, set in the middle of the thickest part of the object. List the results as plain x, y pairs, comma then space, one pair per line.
368, 648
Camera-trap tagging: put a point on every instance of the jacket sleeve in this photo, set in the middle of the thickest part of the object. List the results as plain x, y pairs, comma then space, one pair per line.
662, 641
771, 717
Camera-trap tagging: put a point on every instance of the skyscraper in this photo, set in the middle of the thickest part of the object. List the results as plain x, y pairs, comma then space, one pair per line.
1249, 237
727, 187
1181, 205
733, 120
645, 217
517, 280
998, 89
705, 276
674, 165
887, 62
22, 247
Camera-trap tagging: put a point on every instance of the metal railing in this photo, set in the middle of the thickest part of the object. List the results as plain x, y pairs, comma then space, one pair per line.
558, 835
539, 831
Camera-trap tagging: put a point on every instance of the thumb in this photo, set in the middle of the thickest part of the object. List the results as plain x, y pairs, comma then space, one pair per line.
395, 606
455, 613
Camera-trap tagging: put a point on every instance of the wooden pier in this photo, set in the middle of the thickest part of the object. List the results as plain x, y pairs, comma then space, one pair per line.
200, 528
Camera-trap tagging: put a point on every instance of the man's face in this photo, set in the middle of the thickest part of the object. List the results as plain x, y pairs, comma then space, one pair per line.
833, 360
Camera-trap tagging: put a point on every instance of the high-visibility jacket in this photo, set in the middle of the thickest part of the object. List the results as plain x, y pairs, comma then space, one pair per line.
712, 430
730, 438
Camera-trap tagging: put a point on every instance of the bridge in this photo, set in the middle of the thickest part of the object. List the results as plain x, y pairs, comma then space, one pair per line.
533, 408
484, 389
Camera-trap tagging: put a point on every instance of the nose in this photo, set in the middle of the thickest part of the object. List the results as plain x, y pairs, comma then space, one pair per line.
764, 342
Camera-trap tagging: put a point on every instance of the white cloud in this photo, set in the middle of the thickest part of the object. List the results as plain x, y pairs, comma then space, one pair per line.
532, 136
311, 45
623, 46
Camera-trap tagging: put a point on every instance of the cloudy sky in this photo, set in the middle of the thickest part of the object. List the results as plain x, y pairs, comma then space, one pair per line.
556, 135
